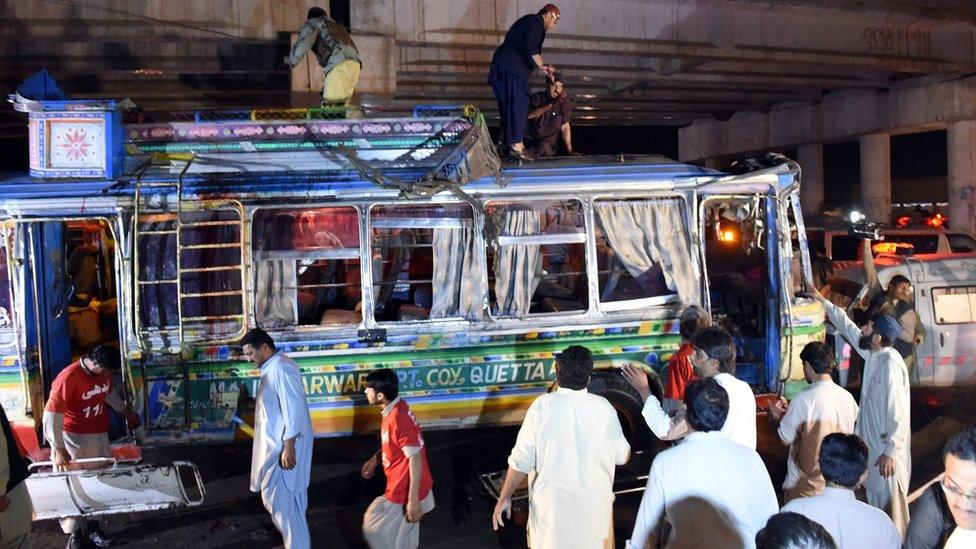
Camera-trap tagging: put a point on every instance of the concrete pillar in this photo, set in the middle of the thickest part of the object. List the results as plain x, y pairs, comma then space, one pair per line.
876, 177
810, 158
962, 175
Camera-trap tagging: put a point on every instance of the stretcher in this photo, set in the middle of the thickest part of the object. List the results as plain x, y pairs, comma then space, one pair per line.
106, 486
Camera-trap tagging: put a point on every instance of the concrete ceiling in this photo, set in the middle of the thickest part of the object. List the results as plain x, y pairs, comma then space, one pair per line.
671, 62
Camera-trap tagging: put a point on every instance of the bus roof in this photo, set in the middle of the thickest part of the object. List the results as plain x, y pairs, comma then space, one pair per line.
591, 173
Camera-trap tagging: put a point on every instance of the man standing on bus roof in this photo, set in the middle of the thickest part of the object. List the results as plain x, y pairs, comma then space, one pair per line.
393, 519
76, 425
336, 54
884, 421
281, 459
511, 65
570, 441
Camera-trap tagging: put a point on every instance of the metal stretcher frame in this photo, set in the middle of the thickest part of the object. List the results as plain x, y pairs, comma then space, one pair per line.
115, 489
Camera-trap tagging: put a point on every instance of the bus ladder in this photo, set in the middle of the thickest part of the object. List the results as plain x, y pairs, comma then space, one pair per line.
168, 197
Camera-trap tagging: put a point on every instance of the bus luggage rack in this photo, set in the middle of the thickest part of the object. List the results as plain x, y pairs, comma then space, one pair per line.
245, 115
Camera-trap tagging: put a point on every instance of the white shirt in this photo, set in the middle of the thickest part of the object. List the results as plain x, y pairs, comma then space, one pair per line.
740, 425
961, 539
819, 410
883, 422
569, 445
853, 524
714, 493
281, 413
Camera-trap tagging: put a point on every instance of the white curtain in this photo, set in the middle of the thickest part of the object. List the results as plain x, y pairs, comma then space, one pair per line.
646, 234
517, 267
275, 306
457, 271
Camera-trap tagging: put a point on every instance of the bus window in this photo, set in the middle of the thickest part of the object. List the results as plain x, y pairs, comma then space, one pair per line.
423, 257
643, 252
537, 263
210, 273
307, 267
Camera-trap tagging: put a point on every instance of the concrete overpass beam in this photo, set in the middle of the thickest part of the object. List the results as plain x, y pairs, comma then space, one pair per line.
876, 176
962, 175
810, 157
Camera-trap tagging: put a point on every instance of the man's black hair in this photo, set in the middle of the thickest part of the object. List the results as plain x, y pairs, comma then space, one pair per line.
384, 381
693, 319
708, 405
793, 531
962, 445
255, 337
820, 356
106, 357
716, 343
315, 12
899, 279
574, 366
843, 459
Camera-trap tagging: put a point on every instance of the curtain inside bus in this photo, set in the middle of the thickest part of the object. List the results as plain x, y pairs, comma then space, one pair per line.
650, 238
455, 291
517, 266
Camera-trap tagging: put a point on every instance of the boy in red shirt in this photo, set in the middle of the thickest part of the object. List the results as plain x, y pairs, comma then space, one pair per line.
393, 519
76, 424
680, 372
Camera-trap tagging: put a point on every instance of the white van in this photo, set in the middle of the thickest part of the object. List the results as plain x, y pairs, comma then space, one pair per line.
944, 286
844, 250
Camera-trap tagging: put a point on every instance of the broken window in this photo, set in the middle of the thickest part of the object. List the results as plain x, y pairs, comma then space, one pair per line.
307, 267
537, 258
644, 253
423, 260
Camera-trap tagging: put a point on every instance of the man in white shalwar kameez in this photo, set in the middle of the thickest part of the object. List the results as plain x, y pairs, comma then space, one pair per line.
713, 356
569, 445
883, 421
281, 460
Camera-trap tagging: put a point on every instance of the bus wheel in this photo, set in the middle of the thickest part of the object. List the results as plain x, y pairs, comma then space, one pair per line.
625, 400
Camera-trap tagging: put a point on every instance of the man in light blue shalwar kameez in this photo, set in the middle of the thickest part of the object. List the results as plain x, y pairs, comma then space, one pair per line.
281, 460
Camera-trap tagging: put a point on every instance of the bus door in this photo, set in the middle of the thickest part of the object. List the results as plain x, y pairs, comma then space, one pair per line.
743, 275
64, 285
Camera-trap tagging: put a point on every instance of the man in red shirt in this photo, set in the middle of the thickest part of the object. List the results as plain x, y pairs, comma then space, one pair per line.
393, 519
680, 372
76, 425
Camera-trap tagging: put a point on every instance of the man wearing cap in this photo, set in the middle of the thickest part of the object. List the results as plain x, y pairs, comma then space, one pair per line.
549, 115
883, 421
511, 65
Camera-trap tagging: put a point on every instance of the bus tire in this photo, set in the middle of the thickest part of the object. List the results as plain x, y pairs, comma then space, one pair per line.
628, 404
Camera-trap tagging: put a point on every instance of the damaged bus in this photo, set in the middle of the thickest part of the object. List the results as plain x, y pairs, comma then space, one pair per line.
369, 243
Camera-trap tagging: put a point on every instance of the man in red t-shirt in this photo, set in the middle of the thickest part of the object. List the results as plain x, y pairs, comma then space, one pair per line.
680, 372
76, 425
393, 519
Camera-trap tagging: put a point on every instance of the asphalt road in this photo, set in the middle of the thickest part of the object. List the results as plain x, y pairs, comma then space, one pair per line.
233, 517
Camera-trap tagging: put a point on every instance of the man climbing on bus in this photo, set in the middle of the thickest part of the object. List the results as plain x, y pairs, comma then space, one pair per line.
76, 425
336, 54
